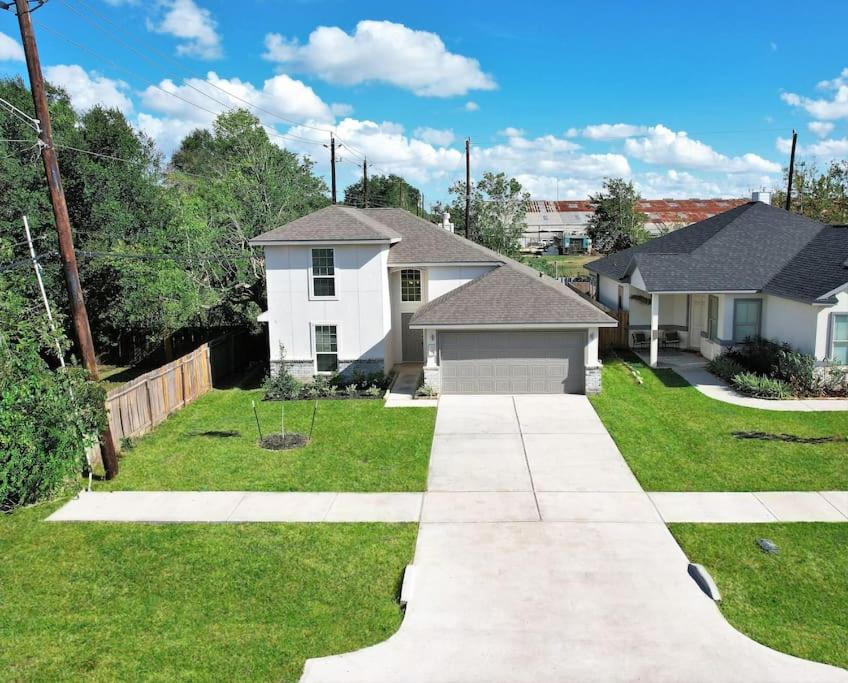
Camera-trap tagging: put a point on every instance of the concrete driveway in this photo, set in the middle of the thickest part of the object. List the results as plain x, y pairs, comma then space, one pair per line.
540, 558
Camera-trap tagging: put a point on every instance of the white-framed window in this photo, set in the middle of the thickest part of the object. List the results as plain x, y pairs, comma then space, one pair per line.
326, 348
324, 273
712, 317
747, 316
839, 338
410, 285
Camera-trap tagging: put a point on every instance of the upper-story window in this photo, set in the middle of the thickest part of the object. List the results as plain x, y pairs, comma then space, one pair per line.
323, 273
410, 285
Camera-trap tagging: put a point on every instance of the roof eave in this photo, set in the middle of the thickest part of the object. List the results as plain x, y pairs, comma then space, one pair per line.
289, 242
511, 325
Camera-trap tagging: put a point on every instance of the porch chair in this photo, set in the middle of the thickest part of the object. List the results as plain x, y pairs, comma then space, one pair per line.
671, 339
640, 341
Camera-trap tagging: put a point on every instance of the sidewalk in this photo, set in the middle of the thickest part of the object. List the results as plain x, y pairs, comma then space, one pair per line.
402, 392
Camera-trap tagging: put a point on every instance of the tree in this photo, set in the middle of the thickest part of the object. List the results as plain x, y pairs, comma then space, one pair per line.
820, 196
498, 211
384, 190
616, 223
249, 185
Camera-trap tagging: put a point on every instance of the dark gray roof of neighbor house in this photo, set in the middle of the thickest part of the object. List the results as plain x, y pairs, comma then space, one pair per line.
509, 295
424, 242
754, 247
332, 223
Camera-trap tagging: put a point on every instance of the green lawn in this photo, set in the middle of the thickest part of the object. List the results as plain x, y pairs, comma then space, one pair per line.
569, 265
795, 601
180, 602
676, 439
357, 445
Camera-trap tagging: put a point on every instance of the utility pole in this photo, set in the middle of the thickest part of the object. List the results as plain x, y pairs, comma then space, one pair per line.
467, 183
365, 181
791, 171
63, 222
333, 165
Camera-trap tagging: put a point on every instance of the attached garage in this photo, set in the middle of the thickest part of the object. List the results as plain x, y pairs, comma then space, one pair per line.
512, 362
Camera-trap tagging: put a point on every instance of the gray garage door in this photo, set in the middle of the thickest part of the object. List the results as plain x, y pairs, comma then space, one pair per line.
534, 362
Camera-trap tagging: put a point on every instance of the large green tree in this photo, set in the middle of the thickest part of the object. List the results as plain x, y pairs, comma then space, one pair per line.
616, 223
498, 211
232, 184
384, 191
817, 195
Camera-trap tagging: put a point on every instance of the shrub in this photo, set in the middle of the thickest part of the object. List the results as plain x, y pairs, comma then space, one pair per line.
427, 391
725, 366
761, 386
351, 391
374, 391
759, 356
799, 371
282, 386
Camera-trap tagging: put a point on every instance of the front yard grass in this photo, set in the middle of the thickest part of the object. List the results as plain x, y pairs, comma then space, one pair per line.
199, 602
676, 439
211, 445
795, 601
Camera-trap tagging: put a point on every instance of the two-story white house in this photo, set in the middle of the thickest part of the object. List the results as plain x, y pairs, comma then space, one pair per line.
370, 288
752, 271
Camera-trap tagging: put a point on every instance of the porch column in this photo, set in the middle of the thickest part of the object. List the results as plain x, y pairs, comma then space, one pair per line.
655, 329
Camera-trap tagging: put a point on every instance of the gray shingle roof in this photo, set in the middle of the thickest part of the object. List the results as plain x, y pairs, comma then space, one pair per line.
332, 223
508, 295
748, 248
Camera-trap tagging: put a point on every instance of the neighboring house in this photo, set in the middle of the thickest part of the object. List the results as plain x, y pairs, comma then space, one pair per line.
567, 220
752, 271
366, 289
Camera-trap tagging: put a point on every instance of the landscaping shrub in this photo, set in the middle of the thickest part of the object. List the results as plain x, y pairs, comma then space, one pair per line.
799, 371
282, 386
759, 356
725, 366
427, 391
761, 386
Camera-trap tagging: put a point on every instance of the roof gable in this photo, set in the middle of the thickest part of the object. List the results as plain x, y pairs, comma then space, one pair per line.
331, 224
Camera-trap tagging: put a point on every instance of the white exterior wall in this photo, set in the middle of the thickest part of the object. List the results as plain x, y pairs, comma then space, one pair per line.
790, 321
608, 293
442, 279
360, 310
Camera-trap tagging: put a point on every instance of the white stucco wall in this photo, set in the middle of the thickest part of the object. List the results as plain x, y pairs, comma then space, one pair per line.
442, 279
790, 321
608, 293
360, 310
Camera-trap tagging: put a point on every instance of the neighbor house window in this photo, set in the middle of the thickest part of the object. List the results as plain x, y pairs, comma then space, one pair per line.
326, 348
712, 318
839, 339
410, 285
747, 314
323, 272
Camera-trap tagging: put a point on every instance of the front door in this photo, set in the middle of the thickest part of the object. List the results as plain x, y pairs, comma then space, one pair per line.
697, 320
412, 341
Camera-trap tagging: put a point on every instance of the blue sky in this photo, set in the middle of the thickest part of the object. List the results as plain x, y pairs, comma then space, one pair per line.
686, 99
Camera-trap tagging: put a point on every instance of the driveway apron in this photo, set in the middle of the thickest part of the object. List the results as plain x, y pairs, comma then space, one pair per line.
540, 558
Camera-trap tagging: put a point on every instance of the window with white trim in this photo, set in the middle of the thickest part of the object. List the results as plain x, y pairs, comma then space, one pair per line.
326, 348
323, 272
839, 338
410, 285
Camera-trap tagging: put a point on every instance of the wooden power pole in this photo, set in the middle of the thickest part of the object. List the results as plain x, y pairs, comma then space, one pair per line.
365, 181
63, 222
467, 183
333, 165
791, 171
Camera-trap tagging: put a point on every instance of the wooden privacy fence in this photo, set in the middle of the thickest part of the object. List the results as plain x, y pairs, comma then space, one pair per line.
615, 337
143, 403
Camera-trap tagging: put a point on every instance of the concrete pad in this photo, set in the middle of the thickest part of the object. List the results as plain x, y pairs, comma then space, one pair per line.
597, 507
567, 414
144, 506
259, 506
477, 462
476, 415
711, 507
574, 449
481, 506
839, 500
800, 506
375, 507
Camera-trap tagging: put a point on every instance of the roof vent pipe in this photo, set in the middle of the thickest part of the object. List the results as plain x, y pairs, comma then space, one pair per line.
761, 196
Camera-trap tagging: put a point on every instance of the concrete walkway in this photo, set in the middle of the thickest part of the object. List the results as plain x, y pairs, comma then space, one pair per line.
603, 595
402, 392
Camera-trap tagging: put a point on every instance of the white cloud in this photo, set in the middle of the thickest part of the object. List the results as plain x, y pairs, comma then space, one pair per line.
824, 149
610, 131
281, 95
381, 52
664, 146
194, 25
435, 136
821, 128
827, 108
471, 106
10, 49
167, 131
87, 89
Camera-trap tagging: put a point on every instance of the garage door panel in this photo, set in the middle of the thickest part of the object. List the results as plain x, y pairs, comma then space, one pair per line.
512, 362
